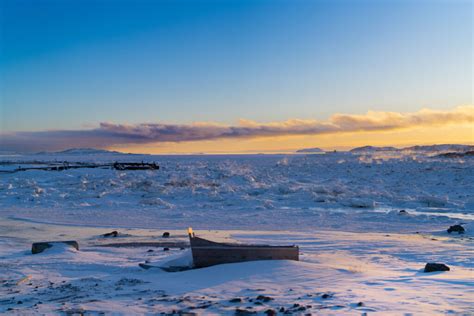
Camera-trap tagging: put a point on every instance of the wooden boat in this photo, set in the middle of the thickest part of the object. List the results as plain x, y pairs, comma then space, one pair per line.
208, 253
135, 166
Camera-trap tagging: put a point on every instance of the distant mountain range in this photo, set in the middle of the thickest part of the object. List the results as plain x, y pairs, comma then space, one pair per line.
372, 149
422, 149
310, 150
83, 151
439, 149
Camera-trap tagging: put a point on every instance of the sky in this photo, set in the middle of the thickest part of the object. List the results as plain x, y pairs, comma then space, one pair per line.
234, 76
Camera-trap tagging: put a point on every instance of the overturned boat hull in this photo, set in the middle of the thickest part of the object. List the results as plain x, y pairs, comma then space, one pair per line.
208, 253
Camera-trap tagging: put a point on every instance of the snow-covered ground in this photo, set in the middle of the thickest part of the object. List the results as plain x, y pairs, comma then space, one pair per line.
342, 209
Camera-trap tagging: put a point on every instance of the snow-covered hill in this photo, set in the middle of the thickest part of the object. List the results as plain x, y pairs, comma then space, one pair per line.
81, 151
370, 149
310, 150
427, 149
439, 148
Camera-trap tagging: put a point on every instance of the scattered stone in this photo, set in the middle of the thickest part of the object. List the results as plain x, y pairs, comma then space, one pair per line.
39, 247
166, 235
236, 300
111, 234
433, 267
296, 305
282, 309
456, 228
270, 312
264, 298
242, 312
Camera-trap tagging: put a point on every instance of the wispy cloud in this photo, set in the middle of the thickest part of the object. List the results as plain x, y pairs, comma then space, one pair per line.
110, 134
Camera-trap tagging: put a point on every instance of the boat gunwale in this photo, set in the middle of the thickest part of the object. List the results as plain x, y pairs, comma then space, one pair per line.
198, 242
245, 247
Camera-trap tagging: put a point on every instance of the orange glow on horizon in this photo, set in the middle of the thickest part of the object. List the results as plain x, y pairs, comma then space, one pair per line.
459, 134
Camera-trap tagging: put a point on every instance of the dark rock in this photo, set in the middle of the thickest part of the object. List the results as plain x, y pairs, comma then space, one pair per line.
270, 312
150, 250
326, 295
236, 300
456, 228
242, 312
19, 302
166, 249
296, 305
402, 212
111, 234
282, 310
39, 247
258, 303
360, 304
166, 235
433, 267
264, 298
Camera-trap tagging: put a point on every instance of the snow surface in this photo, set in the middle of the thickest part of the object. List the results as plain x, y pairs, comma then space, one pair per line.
342, 209
327, 191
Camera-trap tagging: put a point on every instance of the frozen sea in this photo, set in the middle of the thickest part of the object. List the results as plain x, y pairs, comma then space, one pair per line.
338, 191
359, 254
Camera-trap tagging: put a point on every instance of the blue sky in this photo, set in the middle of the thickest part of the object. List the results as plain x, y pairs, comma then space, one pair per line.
74, 64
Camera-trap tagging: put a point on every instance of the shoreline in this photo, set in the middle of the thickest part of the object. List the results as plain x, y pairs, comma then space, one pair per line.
382, 271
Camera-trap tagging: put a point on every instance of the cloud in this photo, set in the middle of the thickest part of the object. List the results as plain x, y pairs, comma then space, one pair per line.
111, 134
